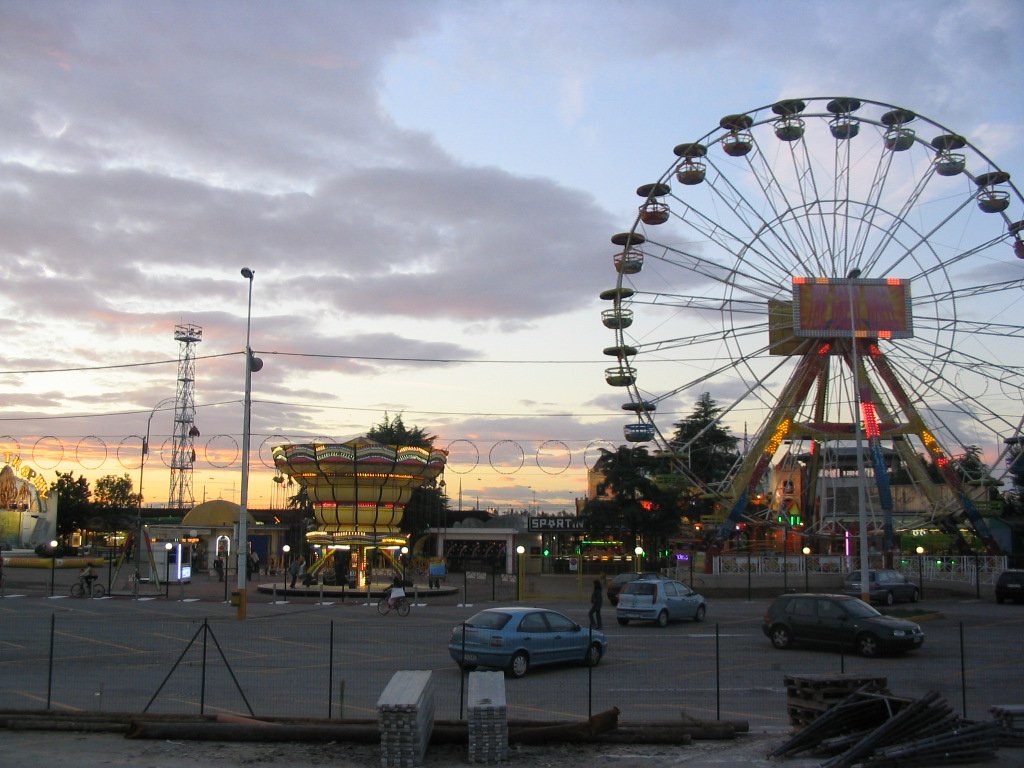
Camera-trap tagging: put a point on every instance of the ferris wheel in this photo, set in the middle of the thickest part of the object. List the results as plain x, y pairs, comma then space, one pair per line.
829, 270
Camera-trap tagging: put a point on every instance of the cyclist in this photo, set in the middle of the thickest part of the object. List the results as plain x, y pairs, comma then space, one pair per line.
395, 592
87, 576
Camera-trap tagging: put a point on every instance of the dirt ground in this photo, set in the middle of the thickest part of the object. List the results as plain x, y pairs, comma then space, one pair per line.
27, 749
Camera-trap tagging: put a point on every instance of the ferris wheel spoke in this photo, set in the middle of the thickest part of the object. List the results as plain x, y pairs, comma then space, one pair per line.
954, 395
872, 206
797, 239
962, 255
729, 241
975, 290
665, 345
703, 303
758, 228
978, 328
707, 376
888, 245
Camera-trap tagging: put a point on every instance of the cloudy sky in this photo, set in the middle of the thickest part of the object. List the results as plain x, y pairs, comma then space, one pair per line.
424, 191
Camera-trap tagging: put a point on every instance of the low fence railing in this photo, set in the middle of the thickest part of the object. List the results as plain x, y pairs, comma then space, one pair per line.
968, 569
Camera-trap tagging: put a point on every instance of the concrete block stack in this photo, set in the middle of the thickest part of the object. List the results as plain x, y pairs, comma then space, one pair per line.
487, 718
405, 715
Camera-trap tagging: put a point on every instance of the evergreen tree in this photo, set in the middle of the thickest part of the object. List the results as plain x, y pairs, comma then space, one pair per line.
630, 503
703, 444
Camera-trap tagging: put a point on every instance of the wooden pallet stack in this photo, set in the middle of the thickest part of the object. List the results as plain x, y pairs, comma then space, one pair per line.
405, 716
808, 696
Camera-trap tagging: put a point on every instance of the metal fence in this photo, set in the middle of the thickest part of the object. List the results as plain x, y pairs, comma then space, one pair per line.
329, 669
968, 569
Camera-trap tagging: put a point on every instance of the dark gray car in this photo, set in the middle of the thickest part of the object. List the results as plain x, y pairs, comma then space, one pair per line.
1010, 586
885, 586
840, 621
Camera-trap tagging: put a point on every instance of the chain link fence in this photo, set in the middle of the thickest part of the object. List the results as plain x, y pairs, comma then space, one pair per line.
329, 669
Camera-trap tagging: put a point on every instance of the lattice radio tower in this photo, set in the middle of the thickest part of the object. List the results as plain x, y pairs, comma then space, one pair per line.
184, 456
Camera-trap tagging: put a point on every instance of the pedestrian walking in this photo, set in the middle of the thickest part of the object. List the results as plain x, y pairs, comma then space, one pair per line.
297, 567
218, 566
596, 600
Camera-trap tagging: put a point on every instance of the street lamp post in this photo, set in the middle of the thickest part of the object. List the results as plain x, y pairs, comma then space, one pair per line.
639, 552
167, 570
142, 468
862, 508
53, 563
920, 571
807, 576
404, 551
251, 364
284, 570
521, 552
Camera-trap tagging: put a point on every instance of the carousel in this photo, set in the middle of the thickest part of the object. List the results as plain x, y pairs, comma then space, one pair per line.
359, 490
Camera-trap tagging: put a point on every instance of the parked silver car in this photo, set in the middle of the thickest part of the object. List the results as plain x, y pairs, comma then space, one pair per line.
660, 600
884, 586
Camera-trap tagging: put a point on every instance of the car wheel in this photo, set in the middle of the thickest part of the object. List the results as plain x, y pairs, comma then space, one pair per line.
519, 664
781, 638
914, 596
889, 598
701, 612
622, 622
663, 619
999, 599
868, 646
593, 656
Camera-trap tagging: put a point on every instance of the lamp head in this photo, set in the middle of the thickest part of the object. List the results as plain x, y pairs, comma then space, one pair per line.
247, 273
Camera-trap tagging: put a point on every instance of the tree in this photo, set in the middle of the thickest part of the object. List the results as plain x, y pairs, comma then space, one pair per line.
704, 445
706, 449
116, 492
394, 432
630, 502
426, 501
74, 508
115, 502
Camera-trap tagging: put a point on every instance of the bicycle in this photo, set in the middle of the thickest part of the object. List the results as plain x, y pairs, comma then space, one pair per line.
402, 606
78, 590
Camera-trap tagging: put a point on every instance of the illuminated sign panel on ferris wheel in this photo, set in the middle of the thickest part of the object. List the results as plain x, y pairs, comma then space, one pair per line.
880, 308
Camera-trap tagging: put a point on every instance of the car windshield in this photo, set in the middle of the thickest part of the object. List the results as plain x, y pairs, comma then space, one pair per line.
488, 620
859, 609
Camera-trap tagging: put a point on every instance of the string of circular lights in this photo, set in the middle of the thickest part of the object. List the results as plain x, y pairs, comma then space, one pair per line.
221, 451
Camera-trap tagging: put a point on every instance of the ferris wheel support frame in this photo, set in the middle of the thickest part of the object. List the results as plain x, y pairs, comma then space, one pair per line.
782, 426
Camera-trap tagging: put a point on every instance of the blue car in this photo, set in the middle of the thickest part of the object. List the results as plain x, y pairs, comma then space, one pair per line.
515, 639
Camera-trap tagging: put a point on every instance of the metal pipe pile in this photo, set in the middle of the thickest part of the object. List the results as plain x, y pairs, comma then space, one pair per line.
884, 731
